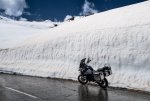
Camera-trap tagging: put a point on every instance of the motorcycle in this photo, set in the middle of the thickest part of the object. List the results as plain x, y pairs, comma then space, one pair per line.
88, 74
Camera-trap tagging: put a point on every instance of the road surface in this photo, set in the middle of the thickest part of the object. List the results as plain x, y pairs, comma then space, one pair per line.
24, 88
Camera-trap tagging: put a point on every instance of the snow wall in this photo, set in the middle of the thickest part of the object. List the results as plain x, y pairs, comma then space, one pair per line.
125, 48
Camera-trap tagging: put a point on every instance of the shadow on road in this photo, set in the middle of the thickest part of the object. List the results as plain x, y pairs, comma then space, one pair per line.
87, 93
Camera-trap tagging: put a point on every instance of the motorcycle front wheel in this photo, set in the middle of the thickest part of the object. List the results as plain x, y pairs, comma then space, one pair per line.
82, 79
104, 83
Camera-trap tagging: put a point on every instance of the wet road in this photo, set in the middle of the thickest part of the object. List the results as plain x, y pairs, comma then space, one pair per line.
22, 88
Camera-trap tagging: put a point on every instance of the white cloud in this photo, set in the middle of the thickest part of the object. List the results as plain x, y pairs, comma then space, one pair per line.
88, 8
13, 7
22, 19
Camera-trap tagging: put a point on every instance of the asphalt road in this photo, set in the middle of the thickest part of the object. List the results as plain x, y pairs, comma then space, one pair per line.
23, 88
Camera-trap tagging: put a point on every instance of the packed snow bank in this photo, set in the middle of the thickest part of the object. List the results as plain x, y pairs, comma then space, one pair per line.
119, 37
13, 32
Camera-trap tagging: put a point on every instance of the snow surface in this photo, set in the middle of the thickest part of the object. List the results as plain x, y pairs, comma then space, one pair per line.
118, 37
13, 32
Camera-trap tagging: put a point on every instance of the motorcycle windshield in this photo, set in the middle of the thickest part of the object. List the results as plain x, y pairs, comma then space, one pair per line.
82, 63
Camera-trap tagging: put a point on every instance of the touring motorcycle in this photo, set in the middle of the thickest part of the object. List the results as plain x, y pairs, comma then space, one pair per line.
88, 74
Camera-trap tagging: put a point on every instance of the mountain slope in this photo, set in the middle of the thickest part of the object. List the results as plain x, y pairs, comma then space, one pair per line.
13, 32
118, 37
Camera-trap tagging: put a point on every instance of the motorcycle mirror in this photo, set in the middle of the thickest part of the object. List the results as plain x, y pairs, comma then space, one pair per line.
88, 60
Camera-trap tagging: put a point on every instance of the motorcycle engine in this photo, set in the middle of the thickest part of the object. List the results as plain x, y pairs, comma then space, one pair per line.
99, 77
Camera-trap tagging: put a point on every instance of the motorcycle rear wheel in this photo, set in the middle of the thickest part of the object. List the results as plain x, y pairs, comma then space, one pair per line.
104, 83
82, 79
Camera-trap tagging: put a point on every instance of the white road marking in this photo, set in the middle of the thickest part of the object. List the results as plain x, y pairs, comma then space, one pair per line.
21, 92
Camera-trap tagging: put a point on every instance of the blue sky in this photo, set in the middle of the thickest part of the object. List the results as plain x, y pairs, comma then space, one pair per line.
57, 9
